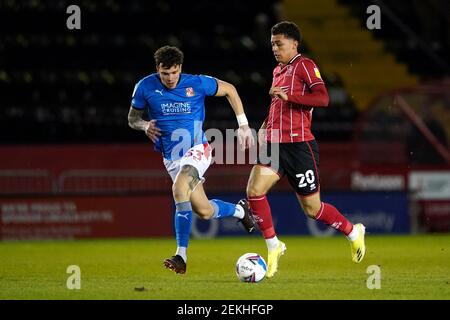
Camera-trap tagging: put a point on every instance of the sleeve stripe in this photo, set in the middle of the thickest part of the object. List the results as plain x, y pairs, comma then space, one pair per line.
293, 76
318, 82
306, 71
135, 88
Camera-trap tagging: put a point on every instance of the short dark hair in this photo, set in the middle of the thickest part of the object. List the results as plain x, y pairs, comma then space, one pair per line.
168, 56
288, 29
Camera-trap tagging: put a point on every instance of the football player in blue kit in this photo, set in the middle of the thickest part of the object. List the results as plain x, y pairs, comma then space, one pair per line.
174, 102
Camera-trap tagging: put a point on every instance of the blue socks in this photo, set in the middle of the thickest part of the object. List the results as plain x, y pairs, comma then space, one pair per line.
183, 221
224, 209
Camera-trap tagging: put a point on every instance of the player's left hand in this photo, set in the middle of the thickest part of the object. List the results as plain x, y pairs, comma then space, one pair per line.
278, 93
245, 137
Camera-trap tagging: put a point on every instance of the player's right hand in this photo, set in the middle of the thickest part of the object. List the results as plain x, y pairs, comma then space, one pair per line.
152, 131
279, 92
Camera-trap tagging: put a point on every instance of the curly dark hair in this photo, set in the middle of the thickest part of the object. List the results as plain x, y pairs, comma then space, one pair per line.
288, 29
168, 56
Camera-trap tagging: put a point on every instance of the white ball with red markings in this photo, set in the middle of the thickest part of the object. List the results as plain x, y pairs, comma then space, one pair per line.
251, 267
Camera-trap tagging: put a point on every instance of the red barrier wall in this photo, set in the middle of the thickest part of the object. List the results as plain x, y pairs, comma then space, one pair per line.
58, 158
335, 164
85, 217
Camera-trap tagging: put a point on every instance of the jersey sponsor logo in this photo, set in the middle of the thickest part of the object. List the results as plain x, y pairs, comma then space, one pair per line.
190, 92
176, 107
316, 71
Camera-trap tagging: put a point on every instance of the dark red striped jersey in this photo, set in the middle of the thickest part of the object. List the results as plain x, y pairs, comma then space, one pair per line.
290, 121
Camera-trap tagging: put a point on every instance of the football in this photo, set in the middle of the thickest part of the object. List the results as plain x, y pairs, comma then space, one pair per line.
251, 267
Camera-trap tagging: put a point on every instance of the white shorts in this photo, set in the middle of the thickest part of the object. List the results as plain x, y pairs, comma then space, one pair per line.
198, 156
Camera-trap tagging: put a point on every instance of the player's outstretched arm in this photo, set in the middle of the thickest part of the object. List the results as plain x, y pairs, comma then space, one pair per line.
227, 90
136, 122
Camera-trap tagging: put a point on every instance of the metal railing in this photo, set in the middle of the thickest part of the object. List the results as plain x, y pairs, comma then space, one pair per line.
26, 181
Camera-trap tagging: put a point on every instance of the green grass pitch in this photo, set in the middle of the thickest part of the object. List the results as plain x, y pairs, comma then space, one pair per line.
412, 267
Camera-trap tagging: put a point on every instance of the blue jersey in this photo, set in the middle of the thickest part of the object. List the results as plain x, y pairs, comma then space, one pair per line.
179, 112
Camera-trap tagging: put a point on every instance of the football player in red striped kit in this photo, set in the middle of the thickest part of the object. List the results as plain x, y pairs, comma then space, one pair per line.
297, 89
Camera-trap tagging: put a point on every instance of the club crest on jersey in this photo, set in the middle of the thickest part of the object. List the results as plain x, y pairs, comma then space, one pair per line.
289, 70
190, 92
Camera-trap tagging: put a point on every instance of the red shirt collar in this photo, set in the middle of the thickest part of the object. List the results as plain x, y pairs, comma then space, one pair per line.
291, 61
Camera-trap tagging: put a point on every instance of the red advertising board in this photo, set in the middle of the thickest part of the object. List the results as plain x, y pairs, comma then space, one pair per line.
85, 217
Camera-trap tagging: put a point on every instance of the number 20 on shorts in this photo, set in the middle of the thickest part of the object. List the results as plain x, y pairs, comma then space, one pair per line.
308, 176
